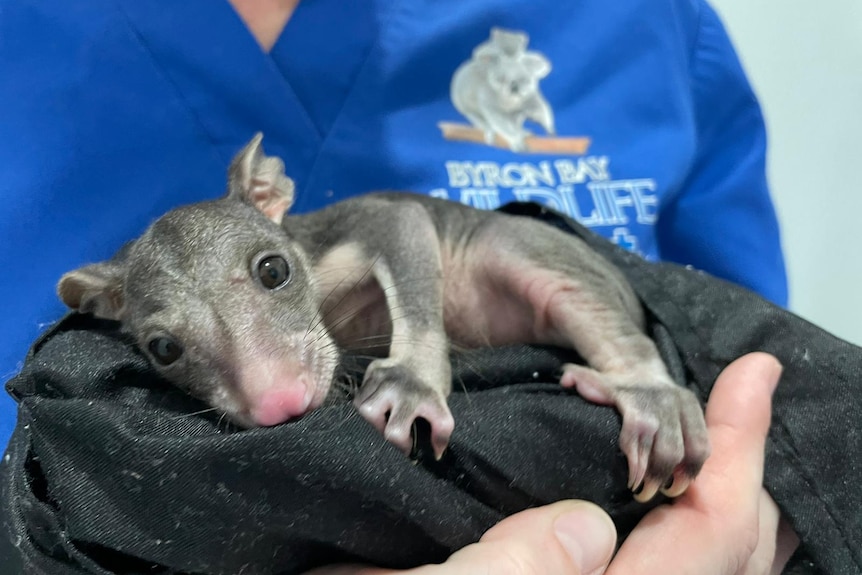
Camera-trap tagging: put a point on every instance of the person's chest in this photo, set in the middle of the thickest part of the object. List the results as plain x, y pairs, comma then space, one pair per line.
584, 107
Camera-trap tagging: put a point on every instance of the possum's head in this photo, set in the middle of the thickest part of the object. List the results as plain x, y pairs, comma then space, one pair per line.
221, 300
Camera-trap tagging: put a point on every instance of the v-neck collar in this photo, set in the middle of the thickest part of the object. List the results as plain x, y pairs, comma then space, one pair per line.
321, 52
206, 51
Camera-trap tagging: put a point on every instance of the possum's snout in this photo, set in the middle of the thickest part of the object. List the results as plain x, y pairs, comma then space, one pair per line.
276, 387
288, 399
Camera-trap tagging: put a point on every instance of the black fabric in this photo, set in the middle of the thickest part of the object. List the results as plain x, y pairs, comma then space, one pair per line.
110, 470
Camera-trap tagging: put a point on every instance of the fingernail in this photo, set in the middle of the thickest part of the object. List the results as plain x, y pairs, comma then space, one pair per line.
588, 536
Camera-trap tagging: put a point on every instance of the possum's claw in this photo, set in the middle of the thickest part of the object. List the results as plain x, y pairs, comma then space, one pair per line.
663, 434
392, 398
678, 486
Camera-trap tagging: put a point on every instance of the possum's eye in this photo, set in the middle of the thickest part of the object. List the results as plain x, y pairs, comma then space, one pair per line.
273, 272
165, 350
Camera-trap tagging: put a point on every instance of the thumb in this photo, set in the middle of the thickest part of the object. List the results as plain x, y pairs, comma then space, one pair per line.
738, 414
565, 538
568, 537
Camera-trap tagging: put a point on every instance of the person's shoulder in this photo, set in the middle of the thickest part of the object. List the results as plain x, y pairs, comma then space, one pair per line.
689, 17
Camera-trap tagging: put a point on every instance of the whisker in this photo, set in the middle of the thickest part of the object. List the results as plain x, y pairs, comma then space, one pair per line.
352, 314
220, 419
346, 317
363, 356
363, 342
413, 280
195, 413
355, 286
334, 290
325, 316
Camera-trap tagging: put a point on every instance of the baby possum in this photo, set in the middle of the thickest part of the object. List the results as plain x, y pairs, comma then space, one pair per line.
244, 307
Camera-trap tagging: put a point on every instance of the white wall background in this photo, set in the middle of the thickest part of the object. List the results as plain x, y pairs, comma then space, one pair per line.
804, 60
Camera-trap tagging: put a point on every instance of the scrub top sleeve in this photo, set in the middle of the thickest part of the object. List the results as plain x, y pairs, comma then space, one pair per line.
722, 219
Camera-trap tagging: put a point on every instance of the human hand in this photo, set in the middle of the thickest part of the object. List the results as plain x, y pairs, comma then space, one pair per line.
564, 538
724, 524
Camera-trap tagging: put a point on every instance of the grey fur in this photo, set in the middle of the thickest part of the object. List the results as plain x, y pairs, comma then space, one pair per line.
401, 274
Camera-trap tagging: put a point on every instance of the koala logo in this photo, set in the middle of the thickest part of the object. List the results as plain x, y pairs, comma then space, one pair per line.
497, 89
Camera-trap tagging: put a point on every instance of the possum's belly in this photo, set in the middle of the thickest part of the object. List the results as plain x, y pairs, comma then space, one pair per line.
475, 314
494, 299
478, 311
490, 298
482, 313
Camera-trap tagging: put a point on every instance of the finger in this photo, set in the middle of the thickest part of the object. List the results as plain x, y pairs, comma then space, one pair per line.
763, 556
713, 527
737, 416
566, 538
353, 570
786, 543
569, 537
777, 541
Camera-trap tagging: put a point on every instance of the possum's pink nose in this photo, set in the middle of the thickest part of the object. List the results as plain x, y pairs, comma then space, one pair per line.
279, 405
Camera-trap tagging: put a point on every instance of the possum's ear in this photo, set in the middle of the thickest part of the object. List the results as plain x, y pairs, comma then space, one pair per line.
259, 180
96, 289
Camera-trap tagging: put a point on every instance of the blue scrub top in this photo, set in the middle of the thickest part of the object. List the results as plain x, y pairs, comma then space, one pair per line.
114, 111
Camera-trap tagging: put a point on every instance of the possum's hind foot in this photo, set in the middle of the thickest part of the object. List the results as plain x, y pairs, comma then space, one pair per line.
663, 435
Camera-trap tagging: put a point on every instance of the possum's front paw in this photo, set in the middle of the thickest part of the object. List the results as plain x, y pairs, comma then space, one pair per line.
392, 396
664, 435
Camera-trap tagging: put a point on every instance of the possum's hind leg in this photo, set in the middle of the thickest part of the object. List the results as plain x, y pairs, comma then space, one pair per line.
577, 299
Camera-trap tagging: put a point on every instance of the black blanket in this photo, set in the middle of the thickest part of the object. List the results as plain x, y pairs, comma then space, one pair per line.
111, 470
